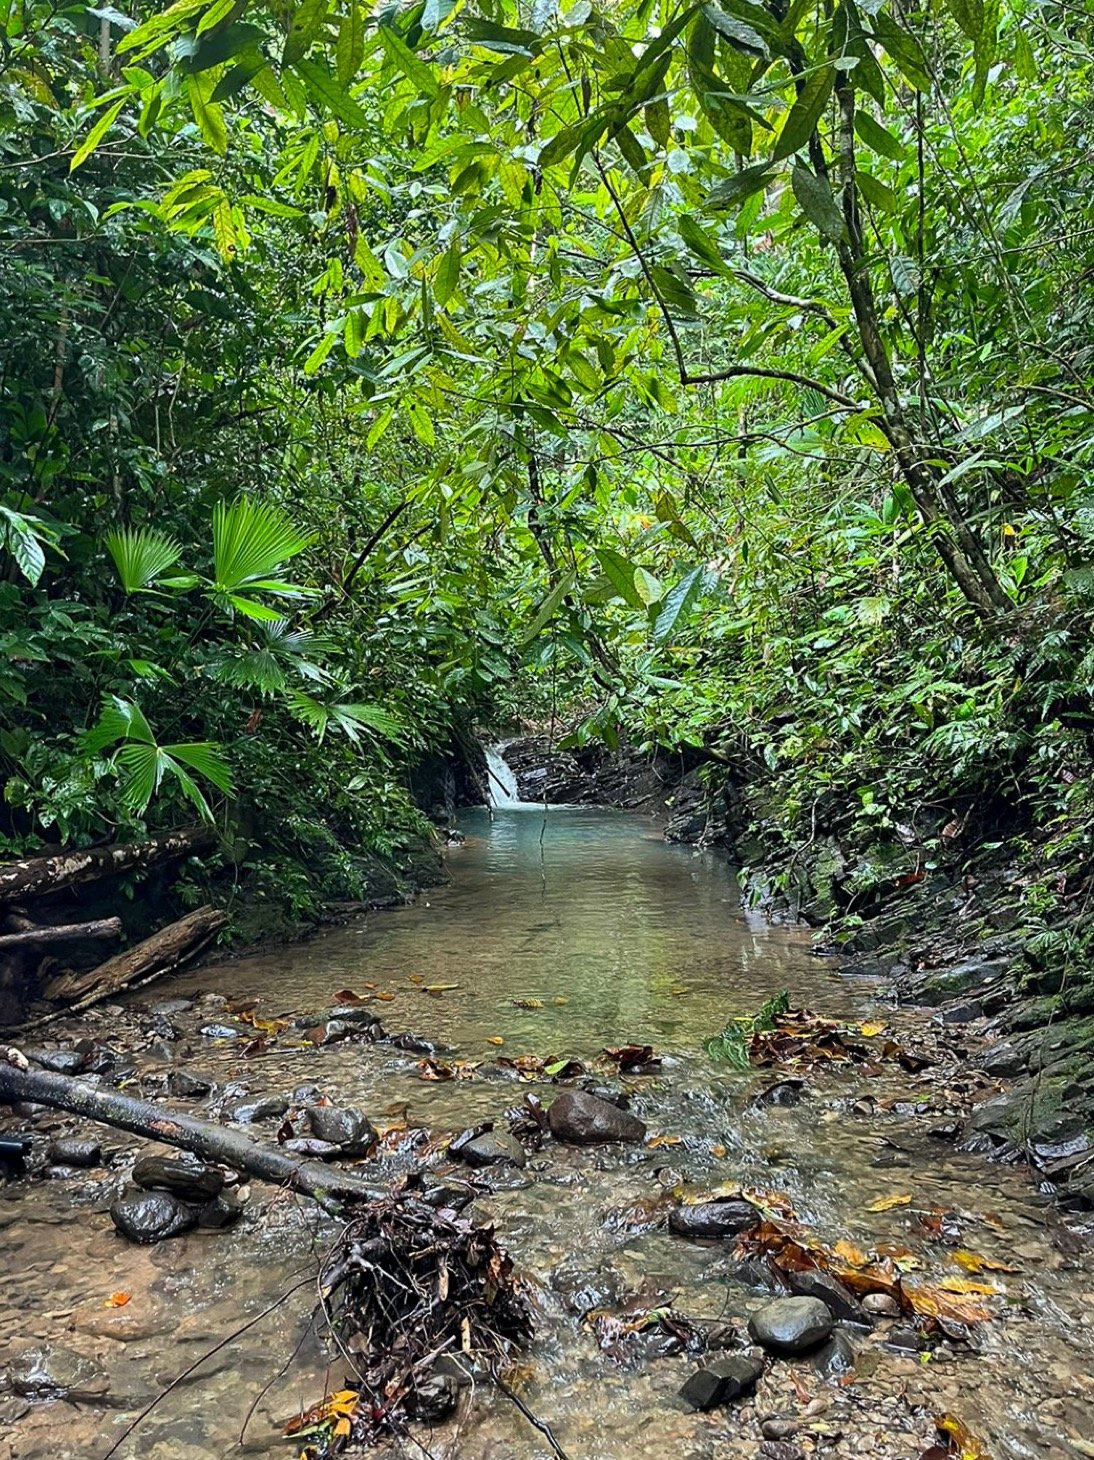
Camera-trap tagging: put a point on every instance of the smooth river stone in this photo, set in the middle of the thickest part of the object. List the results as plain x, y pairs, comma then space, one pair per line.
792, 1325
152, 1216
586, 1120
713, 1219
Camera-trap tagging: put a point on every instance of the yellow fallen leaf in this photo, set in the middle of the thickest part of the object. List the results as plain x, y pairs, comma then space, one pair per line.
494, 1039
869, 1030
850, 1254
656, 1141
678, 990
887, 1203
719, 1151
342, 1428
559, 1000
416, 977
117, 1300
973, 1262
965, 1285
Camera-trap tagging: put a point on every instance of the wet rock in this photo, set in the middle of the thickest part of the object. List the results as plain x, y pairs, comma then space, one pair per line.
218, 1031
779, 1429
779, 1450
152, 1216
58, 1061
313, 1147
963, 1013
160, 1027
880, 1305
1002, 1061
183, 1176
13, 1155
351, 1014
128, 1324
265, 1108
224, 1210
47, 1372
347, 1128
722, 1380
584, 1119
73, 1151
792, 1325
836, 1358
307, 1095
838, 1299
185, 1086
493, 1148
783, 1093
713, 1219
962, 978
411, 1043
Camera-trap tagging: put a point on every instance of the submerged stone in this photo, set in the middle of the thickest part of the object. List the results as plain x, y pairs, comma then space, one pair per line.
347, 1128
183, 1176
713, 1218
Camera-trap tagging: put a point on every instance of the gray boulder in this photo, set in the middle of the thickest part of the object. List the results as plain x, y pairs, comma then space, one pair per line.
348, 1129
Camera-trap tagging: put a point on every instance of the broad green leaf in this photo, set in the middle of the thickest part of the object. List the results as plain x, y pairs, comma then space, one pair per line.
548, 607
736, 189
620, 574
96, 135
322, 87
448, 275
251, 540
984, 48
802, 119
817, 203
879, 138
737, 32
877, 193
350, 49
409, 64
307, 22
904, 49
969, 15
699, 241
141, 555
207, 113
677, 604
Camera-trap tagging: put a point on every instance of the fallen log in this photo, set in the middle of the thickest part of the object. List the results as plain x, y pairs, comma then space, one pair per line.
62, 933
160, 954
326, 1184
35, 876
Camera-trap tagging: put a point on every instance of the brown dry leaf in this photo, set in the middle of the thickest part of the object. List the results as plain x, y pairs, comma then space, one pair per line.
849, 1253
719, 1151
887, 1203
117, 1300
973, 1262
416, 977
931, 1302
385, 995
348, 997
435, 1070
495, 1039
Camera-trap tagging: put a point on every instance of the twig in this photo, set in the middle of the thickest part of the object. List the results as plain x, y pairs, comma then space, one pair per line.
533, 1419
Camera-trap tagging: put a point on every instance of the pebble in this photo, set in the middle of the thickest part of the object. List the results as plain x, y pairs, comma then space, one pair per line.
72, 1151
881, 1304
722, 1380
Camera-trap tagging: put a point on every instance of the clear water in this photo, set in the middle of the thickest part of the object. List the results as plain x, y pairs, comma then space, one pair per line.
612, 936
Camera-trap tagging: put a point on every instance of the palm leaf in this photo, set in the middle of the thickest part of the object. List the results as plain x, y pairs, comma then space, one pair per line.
251, 540
141, 555
119, 720
205, 758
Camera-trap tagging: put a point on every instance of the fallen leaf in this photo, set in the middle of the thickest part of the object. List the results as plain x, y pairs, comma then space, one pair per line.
966, 1285
870, 1030
962, 1441
527, 1003
440, 988
559, 1000
494, 1039
849, 1253
348, 997
385, 995
719, 1151
435, 1070
657, 1141
973, 1262
416, 977
117, 1300
887, 1203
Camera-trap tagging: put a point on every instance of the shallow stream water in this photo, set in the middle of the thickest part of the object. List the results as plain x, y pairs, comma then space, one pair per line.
560, 935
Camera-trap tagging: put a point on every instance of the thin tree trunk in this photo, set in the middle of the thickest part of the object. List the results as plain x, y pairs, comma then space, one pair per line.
188, 1133
37, 876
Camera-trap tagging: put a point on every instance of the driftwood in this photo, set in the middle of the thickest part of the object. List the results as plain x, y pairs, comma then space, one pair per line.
36, 876
162, 953
62, 933
211, 1142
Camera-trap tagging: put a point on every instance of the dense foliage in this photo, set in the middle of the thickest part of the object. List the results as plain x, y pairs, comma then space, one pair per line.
723, 369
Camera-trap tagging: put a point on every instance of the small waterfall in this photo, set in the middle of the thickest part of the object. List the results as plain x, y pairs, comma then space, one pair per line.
501, 783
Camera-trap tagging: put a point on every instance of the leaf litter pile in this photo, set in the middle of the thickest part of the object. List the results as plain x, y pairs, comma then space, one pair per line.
798, 1039
405, 1286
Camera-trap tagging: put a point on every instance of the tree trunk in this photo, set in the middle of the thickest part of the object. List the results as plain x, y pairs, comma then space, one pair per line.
162, 953
62, 933
39, 875
326, 1184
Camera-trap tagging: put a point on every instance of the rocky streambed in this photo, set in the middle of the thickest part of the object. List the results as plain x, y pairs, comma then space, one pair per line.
788, 1259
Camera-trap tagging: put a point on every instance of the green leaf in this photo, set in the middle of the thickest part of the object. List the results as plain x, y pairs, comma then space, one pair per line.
322, 87
251, 540
350, 49
984, 48
803, 116
448, 275
502, 38
118, 720
96, 135
742, 185
969, 15
620, 574
904, 49
879, 138
738, 32
408, 63
546, 610
307, 22
23, 536
207, 759
700, 243
1025, 63
141, 555
207, 113
677, 605
817, 203
877, 193
675, 291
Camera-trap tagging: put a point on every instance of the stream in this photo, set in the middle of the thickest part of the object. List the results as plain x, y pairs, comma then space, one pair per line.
557, 935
